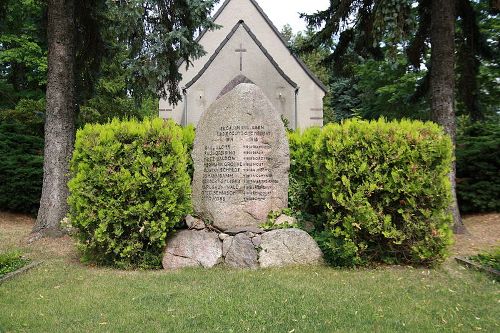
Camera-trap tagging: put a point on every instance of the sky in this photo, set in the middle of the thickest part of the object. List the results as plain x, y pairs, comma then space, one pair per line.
282, 12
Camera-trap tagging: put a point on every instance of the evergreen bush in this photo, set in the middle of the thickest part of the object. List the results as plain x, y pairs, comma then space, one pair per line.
129, 188
302, 179
382, 189
478, 166
21, 167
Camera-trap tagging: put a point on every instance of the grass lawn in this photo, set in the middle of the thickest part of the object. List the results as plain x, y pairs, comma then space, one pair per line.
62, 295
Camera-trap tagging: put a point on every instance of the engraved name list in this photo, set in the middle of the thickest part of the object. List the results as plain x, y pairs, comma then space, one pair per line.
226, 166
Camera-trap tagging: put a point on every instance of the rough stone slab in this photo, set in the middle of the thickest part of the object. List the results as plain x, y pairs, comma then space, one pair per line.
190, 248
226, 245
223, 236
285, 247
241, 253
241, 230
171, 262
241, 160
257, 240
194, 223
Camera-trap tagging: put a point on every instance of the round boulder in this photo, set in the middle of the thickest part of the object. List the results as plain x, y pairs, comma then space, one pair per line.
286, 247
192, 248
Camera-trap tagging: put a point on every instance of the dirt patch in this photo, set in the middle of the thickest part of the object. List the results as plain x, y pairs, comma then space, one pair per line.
483, 233
15, 230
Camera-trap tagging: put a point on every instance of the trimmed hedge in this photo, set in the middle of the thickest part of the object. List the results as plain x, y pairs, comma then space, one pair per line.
302, 178
129, 188
382, 188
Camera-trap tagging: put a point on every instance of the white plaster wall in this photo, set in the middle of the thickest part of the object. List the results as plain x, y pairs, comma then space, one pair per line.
310, 98
227, 66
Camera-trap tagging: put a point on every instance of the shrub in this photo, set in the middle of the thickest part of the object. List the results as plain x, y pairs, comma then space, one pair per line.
21, 168
385, 192
302, 179
129, 188
478, 166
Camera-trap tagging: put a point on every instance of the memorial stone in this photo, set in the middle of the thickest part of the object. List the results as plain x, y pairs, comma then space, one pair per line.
241, 160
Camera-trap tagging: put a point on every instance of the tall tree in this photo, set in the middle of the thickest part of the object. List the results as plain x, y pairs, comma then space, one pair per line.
443, 82
60, 116
159, 33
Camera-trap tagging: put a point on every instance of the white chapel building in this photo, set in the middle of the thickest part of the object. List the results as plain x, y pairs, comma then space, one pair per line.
248, 48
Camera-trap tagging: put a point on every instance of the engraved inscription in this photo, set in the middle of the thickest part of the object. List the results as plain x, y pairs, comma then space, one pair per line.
225, 173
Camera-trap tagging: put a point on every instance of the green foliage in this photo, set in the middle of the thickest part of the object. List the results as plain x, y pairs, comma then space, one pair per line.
21, 167
386, 191
103, 108
302, 181
128, 189
270, 223
158, 35
11, 261
380, 190
29, 113
386, 89
489, 259
23, 51
344, 99
478, 166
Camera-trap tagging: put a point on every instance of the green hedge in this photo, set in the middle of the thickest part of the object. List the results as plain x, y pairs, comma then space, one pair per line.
302, 178
21, 152
478, 166
129, 188
21, 168
382, 188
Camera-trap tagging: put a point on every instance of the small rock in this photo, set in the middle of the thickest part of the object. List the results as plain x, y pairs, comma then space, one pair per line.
250, 234
223, 236
256, 241
284, 247
239, 230
226, 245
241, 253
190, 248
194, 223
285, 219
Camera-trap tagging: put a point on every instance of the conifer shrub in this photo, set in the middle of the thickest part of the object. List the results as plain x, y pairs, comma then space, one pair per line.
21, 167
383, 192
129, 189
302, 181
478, 166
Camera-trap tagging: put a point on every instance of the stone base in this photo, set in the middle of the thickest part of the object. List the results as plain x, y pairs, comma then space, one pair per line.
241, 249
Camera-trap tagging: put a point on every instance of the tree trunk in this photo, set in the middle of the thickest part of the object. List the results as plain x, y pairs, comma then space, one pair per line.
60, 117
443, 83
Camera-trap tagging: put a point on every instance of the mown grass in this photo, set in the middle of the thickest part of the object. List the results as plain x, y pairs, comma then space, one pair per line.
63, 297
